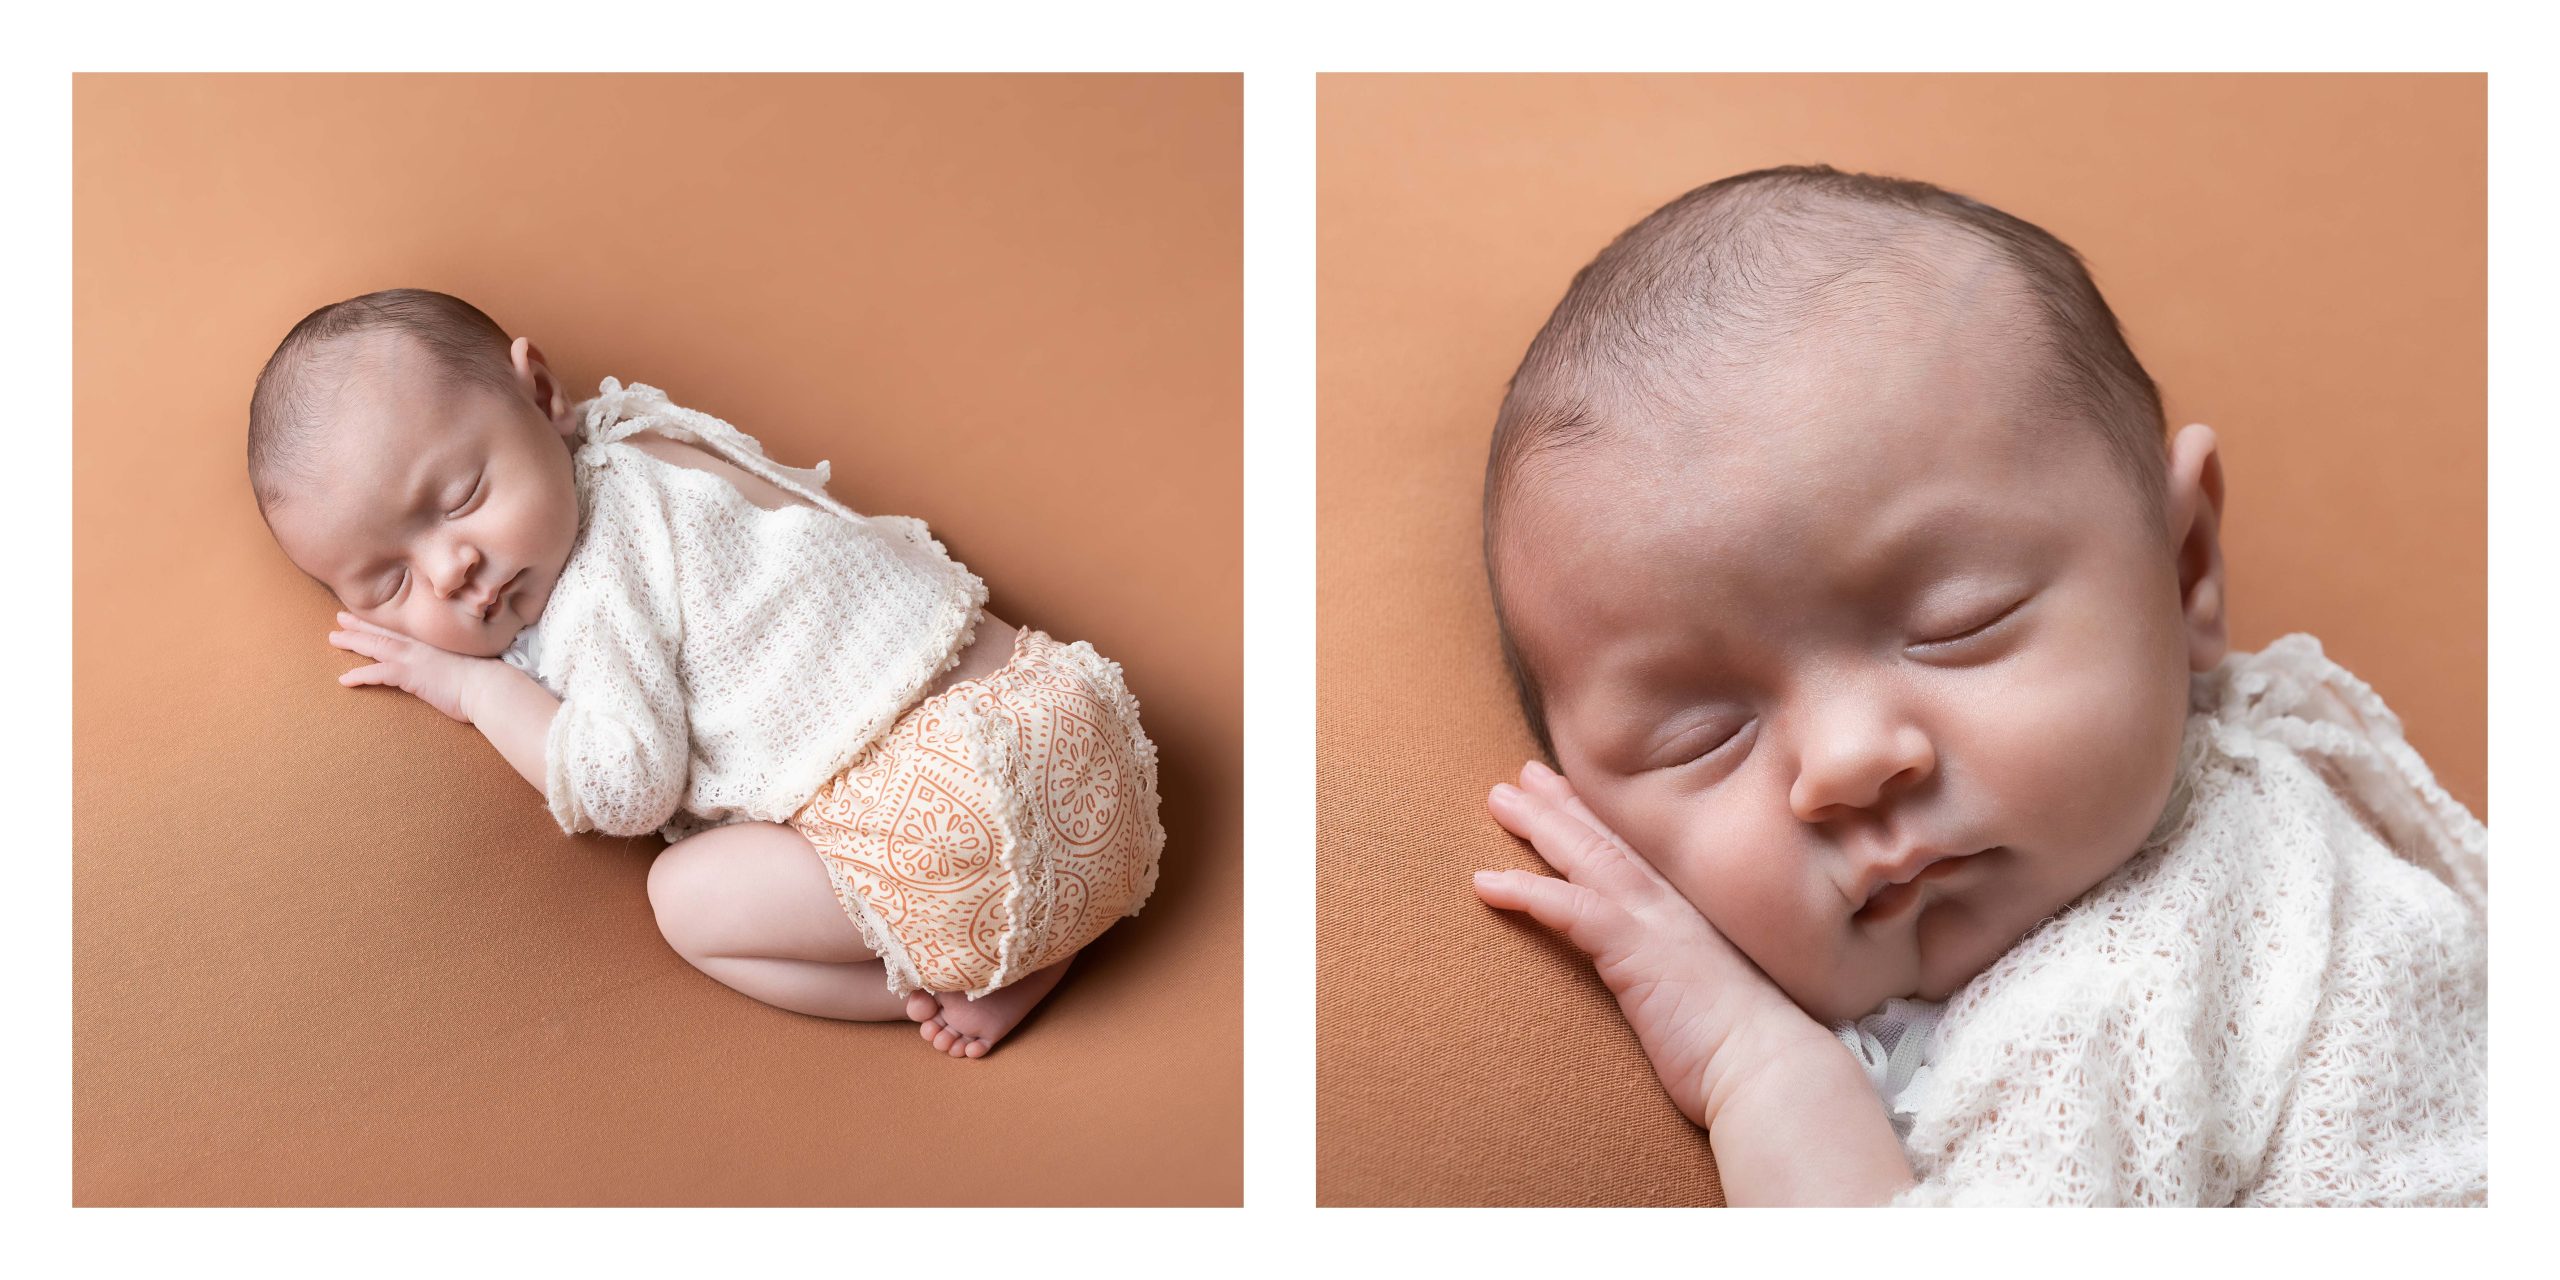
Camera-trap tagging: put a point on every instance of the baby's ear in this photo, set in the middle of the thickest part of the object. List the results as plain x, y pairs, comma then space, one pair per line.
540, 385
2195, 526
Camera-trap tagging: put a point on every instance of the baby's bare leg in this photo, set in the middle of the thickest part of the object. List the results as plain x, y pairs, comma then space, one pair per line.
750, 905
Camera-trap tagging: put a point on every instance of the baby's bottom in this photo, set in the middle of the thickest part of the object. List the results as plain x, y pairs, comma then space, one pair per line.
999, 826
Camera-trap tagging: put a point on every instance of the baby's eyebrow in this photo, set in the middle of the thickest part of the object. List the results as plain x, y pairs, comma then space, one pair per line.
423, 484
1906, 547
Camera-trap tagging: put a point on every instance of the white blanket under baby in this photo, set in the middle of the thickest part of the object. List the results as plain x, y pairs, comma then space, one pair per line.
2282, 1000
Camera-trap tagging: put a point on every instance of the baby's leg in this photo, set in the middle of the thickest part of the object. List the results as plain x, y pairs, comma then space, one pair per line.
750, 905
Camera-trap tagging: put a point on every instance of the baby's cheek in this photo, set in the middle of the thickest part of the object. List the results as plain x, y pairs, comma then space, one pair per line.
2079, 750
1759, 889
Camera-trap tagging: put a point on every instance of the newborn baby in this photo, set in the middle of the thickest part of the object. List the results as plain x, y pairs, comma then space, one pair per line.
1934, 845
880, 800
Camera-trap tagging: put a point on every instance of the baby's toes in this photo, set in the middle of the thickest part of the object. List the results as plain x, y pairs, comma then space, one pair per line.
922, 1007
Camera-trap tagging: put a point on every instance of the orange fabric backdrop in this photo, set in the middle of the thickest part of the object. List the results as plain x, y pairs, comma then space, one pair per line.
328, 947
2299, 260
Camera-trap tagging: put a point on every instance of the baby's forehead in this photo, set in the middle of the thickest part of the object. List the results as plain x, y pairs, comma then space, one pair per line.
381, 439
1799, 487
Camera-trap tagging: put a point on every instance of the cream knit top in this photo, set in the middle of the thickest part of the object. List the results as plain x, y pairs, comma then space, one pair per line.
2281, 1000
717, 661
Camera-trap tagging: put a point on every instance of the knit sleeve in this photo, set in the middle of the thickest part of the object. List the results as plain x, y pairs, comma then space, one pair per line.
617, 757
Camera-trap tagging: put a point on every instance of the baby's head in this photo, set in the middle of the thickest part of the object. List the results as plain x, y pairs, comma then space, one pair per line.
1842, 568
415, 461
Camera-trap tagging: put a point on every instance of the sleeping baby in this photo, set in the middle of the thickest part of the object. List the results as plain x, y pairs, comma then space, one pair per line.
1935, 845
879, 800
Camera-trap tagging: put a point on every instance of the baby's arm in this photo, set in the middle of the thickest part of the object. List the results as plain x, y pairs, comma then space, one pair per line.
514, 713
1788, 1112
626, 745
504, 704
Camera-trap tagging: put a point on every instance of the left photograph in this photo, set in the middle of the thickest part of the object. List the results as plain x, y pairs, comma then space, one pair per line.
657, 640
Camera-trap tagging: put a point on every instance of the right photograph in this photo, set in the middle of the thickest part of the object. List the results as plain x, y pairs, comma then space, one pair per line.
1902, 640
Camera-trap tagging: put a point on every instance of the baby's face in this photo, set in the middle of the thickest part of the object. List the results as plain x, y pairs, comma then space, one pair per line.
1878, 673
441, 511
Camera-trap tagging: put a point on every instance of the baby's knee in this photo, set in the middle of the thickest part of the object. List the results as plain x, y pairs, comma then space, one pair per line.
680, 895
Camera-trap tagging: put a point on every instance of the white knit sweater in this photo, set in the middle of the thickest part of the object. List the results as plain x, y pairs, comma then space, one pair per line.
2282, 1000
715, 657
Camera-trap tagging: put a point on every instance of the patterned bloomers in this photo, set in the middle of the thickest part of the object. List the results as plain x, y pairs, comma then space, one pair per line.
999, 826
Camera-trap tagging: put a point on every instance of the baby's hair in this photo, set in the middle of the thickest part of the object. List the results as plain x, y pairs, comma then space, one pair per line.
303, 377
1723, 277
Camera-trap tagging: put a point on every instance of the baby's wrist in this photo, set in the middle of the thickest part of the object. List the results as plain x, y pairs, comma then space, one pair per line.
1760, 1052
479, 676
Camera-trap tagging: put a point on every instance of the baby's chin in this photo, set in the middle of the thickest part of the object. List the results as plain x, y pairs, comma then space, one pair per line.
492, 639
1930, 969
493, 644
1952, 943
503, 629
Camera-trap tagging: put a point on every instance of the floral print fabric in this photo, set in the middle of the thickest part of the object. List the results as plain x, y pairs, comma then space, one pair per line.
999, 826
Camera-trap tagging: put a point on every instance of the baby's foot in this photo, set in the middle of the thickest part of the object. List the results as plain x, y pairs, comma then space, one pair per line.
966, 1028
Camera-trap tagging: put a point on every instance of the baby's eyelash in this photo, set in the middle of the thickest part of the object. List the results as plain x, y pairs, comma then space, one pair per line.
1692, 757
1978, 628
469, 498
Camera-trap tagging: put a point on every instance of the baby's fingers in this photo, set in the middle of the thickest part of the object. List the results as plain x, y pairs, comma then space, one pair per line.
1632, 860
371, 644
1583, 850
354, 623
1552, 787
1591, 922
378, 673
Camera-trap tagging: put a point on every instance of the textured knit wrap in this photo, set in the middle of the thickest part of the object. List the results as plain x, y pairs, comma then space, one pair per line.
717, 661
2282, 1000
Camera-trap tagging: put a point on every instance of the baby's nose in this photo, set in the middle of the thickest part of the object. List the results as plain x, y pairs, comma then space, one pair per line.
464, 566
1856, 768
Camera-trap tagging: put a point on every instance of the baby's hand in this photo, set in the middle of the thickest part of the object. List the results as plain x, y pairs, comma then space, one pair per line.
1706, 1016
440, 678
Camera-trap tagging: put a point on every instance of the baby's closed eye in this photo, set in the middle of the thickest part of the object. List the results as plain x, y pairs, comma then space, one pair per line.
1983, 621
1697, 742
471, 498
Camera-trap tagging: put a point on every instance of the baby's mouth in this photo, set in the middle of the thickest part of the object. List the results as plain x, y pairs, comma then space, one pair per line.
1891, 900
498, 598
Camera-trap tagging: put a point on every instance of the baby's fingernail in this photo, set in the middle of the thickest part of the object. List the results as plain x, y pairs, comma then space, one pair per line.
1502, 792
1484, 879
